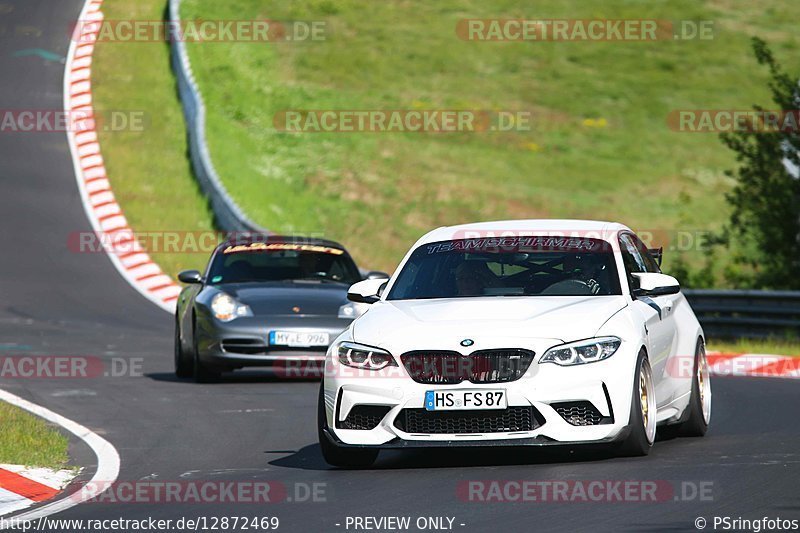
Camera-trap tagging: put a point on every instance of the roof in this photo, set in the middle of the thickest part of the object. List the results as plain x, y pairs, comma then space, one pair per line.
501, 228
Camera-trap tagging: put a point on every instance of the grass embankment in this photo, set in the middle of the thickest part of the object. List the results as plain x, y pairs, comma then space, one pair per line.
600, 146
148, 169
768, 346
28, 440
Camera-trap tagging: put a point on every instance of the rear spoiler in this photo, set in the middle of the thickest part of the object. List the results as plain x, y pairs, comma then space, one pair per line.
658, 254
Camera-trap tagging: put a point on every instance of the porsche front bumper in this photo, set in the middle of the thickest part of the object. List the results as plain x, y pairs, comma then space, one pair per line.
244, 342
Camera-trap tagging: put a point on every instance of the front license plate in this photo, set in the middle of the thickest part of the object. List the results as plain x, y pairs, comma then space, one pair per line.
449, 400
302, 339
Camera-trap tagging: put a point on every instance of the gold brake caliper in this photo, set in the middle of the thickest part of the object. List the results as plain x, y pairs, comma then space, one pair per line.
700, 379
643, 396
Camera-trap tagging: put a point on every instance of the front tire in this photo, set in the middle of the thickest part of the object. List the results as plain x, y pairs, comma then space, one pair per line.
700, 403
184, 364
335, 455
202, 372
642, 421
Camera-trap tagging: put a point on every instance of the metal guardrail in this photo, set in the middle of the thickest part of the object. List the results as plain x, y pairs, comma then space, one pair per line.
228, 215
745, 313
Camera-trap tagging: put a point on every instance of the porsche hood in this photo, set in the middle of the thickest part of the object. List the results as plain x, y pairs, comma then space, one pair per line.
282, 298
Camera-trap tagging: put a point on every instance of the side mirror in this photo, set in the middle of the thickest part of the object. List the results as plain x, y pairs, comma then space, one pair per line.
190, 276
652, 284
376, 274
367, 291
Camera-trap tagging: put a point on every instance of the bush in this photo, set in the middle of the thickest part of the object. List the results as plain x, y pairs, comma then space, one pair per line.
765, 221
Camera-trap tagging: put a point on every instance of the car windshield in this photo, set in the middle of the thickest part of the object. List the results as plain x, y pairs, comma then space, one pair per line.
516, 266
281, 262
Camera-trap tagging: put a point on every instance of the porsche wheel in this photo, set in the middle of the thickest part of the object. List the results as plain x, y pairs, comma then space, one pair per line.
202, 372
184, 363
643, 411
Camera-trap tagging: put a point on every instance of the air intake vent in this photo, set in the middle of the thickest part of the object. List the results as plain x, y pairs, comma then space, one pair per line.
244, 346
364, 417
513, 419
581, 413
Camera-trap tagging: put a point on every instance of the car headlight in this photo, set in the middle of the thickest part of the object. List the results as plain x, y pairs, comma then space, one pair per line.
352, 310
226, 307
364, 357
581, 352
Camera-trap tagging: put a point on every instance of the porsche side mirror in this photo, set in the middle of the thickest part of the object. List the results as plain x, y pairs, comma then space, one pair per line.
367, 291
376, 274
653, 284
190, 276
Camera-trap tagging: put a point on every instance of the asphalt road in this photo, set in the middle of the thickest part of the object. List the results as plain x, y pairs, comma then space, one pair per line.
255, 428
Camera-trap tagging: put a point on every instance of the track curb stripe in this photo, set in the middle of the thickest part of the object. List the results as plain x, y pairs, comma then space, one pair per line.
108, 462
104, 213
25, 487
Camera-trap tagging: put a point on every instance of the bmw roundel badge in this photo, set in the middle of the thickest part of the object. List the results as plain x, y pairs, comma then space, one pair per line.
467, 342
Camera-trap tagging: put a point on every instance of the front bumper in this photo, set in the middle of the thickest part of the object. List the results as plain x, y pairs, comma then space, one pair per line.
244, 341
606, 385
400, 444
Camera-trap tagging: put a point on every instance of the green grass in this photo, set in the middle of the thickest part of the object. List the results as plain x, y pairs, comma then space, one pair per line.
149, 170
378, 192
28, 440
768, 346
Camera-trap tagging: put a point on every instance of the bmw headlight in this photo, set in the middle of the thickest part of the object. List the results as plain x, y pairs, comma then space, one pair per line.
581, 352
226, 307
364, 357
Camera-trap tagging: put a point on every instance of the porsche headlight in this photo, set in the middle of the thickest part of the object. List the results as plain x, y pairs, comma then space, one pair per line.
352, 310
364, 357
582, 352
226, 307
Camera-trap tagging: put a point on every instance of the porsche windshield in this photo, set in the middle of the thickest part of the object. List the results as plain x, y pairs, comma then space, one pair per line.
281, 262
515, 266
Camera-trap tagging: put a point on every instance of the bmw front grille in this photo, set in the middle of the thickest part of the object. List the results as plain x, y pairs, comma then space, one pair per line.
484, 366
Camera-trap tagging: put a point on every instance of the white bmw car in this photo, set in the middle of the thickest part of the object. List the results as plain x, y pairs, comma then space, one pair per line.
534, 332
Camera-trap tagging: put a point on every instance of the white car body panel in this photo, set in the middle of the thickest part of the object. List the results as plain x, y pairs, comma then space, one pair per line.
664, 326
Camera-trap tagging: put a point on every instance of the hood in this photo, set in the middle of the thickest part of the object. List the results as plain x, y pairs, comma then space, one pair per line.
445, 322
279, 298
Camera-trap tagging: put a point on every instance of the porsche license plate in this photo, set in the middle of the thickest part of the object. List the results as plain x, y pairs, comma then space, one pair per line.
450, 400
302, 339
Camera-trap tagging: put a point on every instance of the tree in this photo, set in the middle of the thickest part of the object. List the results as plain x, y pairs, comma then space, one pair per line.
766, 198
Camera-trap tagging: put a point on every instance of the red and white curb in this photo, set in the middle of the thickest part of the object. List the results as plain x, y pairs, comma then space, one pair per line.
21, 487
106, 471
753, 364
101, 207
